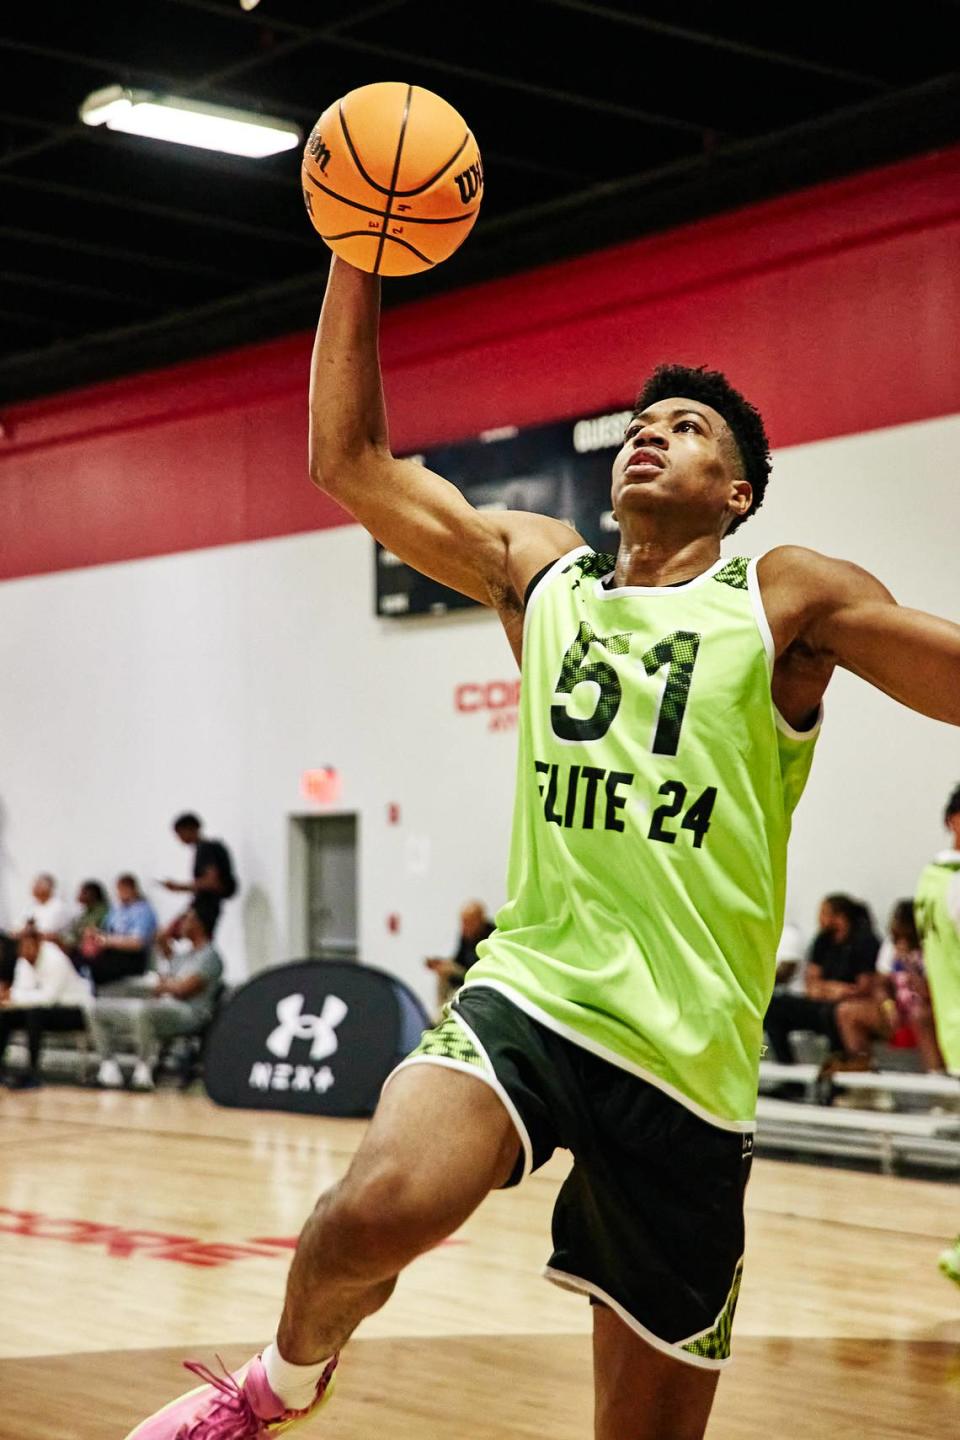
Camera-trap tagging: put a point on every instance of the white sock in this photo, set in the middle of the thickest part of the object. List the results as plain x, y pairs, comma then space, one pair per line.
295, 1385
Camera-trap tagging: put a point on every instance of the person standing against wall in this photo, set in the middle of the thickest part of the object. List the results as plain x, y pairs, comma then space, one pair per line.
213, 875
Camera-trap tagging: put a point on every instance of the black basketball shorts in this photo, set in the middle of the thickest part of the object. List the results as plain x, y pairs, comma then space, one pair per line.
650, 1219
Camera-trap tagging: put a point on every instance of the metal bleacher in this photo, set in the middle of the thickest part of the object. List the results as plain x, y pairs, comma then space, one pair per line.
891, 1116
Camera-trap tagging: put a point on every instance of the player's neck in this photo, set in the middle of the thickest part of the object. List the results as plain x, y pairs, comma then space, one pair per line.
661, 560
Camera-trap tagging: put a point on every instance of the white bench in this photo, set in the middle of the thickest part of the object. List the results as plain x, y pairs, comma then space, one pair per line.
774, 1072
900, 1082
886, 1137
69, 1053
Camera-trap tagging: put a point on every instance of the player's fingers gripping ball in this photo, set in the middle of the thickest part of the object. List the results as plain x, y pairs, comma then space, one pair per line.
392, 178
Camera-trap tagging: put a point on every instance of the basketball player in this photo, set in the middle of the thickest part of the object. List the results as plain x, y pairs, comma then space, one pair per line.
669, 711
938, 920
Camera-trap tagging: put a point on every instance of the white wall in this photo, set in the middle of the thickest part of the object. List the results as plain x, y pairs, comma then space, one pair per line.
211, 680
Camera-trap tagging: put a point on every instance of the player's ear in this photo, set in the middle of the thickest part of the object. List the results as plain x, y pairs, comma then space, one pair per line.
741, 497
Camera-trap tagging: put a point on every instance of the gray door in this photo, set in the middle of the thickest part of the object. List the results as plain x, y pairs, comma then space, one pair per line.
331, 890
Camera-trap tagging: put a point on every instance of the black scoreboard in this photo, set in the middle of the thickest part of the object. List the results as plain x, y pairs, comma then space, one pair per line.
561, 469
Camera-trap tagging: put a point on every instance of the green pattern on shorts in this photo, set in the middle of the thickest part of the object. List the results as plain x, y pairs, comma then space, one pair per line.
715, 1345
450, 1041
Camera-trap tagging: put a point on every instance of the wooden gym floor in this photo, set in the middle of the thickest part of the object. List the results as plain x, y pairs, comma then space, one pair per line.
138, 1230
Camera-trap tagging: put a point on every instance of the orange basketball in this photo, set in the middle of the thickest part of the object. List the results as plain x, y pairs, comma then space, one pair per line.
392, 178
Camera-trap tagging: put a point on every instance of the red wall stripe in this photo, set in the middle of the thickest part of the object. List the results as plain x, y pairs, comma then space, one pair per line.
835, 309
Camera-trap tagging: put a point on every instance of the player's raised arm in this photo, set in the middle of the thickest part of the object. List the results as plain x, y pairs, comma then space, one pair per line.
847, 615
418, 515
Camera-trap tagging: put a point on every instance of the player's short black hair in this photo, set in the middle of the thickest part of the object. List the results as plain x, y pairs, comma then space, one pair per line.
952, 806
711, 387
188, 821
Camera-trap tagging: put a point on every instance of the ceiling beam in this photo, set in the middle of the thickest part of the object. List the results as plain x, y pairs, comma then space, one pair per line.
137, 259
651, 26
79, 291
296, 42
595, 104
294, 285
943, 88
205, 219
38, 322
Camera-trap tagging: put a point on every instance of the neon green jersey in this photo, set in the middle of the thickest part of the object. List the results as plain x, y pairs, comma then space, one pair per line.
655, 788
936, 922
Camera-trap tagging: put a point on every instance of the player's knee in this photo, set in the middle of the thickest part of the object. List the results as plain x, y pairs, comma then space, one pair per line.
381, 1219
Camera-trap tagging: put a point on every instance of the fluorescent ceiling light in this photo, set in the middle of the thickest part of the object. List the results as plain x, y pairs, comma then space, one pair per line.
189, 122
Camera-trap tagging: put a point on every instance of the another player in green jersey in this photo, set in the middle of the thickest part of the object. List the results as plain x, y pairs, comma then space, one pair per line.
670, 704
937, 905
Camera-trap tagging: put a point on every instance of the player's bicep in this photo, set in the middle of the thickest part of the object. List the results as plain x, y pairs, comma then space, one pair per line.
813, 596
428, 524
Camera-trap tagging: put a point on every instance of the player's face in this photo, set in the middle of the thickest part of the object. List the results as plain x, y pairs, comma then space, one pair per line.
678, 452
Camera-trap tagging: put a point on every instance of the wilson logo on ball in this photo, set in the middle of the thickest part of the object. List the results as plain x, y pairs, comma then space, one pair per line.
318, 152
470, 182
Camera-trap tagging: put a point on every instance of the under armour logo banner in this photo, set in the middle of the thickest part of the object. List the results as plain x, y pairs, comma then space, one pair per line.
294, 1025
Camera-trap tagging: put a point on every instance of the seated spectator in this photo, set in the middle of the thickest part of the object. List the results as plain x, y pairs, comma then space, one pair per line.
899, 1001
45, 915
182, 1003
93, 906
213, 875
122, 947
842, 958
475, 925
47, 994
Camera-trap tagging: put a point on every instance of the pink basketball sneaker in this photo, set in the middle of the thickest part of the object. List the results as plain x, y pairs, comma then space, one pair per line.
240, 1406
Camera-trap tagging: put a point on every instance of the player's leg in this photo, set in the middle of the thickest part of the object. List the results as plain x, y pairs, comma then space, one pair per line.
925, 1029
641, 1393
10, 1021
439, 1142
49, 1020
33, 1024
785, 1014
650, 1223
109, 1025
153, 1022
858, 1021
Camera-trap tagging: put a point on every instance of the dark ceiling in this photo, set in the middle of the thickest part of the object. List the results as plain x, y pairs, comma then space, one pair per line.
597, 122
